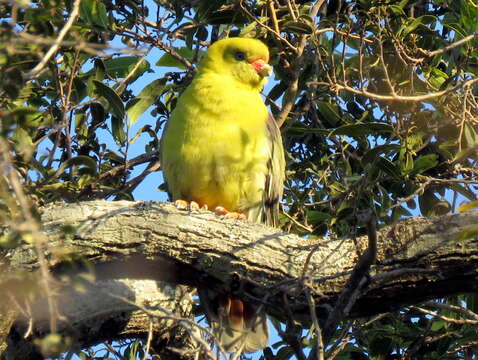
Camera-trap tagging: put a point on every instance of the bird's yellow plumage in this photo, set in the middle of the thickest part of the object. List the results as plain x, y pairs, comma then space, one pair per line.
221, 148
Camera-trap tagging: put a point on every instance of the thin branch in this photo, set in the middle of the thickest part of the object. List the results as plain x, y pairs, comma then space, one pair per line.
458, 309
417, 98
74, 13
446, 318
150, 338
278, 35
38, 238
293, 88
188, 324
356, 281
449, 47
318, 354
291, 10
297, 223
90, 48
138, 160
272, 11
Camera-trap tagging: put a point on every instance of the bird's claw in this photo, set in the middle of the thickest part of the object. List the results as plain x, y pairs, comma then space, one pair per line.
219, 210
189, 205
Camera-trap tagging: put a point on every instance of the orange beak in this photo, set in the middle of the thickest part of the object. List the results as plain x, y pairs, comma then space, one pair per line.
262, 67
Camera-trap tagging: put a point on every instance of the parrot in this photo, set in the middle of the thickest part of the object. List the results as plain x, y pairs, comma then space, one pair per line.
221, 149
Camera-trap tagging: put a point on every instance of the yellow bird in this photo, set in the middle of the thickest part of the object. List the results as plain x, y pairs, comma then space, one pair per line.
222, 149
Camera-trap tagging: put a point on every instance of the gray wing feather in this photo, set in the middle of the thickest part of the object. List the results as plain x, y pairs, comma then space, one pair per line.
274, 186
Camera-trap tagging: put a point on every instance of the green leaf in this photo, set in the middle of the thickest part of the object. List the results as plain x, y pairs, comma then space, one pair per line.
98, 114
437, 77
24, 116
470, 135
298, 27
114, 157
300, 131
80, 160
167, 60
388, 167
113, 99
94, 13
144, 129
398, 9
284, 353
370, 155
249, 30
100, 15
84, 180
463, 191
423, 163
86, 7
438, 325
469, 233
145, 99
81, 128
99, 70
427, 202
362, 129
23, 141
117, 128
317, 217
425, 19
406, 161
121, 67
468, 206
79, 90
328, 113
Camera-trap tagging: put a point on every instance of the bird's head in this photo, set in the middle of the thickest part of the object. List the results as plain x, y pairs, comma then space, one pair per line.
245, 59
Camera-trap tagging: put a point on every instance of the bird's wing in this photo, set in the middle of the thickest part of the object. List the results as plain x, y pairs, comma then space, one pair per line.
164, 186
268, 210
274, 186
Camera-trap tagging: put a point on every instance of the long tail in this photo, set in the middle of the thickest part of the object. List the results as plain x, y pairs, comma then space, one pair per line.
237, 325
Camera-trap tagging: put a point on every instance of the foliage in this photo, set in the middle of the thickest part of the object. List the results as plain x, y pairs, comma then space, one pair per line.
377, 102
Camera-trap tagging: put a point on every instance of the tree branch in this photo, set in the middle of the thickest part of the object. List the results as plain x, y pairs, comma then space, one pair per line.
147, 240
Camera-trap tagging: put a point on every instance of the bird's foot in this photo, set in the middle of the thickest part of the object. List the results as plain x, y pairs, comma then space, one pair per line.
219, 210
189, 205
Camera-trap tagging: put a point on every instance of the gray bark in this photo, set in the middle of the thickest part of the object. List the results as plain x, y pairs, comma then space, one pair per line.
417, 259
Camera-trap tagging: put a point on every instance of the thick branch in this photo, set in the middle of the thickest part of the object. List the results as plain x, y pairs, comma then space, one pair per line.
417, 259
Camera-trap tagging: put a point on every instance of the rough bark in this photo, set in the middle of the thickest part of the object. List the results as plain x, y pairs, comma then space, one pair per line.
91, 312
417, 259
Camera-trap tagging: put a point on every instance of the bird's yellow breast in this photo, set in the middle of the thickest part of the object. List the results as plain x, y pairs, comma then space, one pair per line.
215, 147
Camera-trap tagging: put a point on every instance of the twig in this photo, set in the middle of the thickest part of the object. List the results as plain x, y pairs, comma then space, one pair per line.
90, 48
417, 98
188, 324
385, 277
138, 160
356, 281
291, 10
292, 332
458, 309
302, 226
278, 35
449, 47
272, 10
384, 65
291, 92
446, 318
38, 238
318, 354
74, 13
150, 338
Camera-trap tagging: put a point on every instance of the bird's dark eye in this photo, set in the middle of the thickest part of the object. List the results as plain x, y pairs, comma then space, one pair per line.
239, 56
